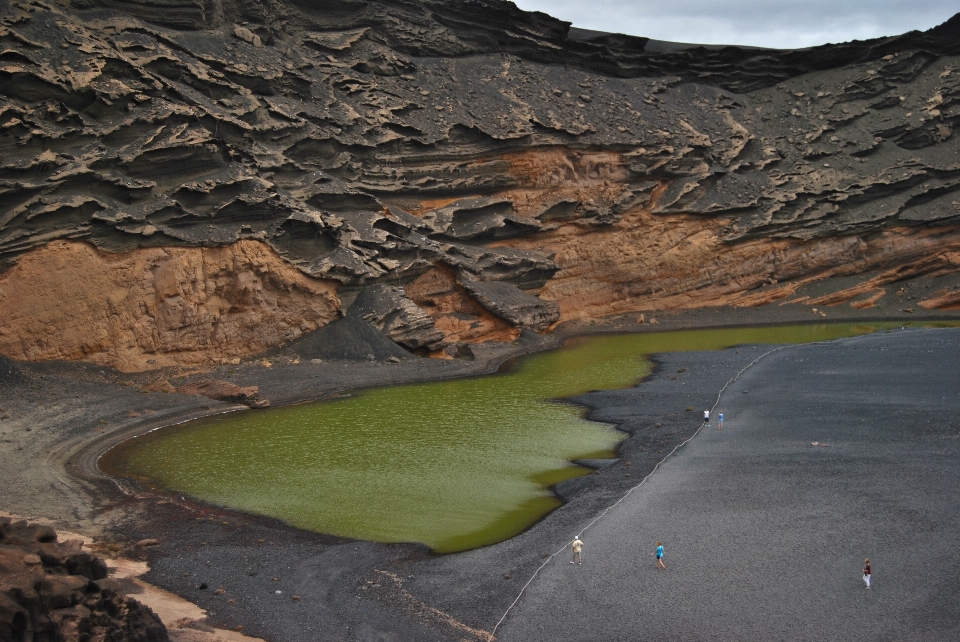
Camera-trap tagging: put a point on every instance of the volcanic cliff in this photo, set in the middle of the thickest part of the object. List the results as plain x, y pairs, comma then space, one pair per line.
193, 181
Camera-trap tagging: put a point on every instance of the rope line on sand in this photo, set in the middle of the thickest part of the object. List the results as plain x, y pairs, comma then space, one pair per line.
491, 635
493, 632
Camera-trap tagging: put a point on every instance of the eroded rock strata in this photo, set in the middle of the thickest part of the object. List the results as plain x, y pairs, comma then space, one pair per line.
192, 181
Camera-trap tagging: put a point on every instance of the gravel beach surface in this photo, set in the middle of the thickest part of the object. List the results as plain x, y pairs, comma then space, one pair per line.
367, 591
765, 534
830, 453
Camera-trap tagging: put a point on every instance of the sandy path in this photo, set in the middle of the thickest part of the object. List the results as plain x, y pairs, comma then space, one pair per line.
766, 534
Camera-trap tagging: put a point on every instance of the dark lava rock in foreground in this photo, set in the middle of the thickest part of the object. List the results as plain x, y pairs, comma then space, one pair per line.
53, 591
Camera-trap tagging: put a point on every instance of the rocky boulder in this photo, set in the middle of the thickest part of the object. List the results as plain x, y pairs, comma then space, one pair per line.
225, 391
509, 302
54, 591
389, 310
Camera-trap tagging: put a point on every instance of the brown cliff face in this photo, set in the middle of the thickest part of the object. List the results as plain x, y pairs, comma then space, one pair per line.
463, 169
612, 260
647, 262
156, 307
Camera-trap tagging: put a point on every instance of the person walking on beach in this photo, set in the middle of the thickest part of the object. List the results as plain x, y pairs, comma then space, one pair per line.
720, 421
867, 572
577, 546
659, 555
706, 417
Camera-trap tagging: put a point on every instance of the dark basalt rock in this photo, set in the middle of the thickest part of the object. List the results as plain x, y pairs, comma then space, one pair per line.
10, 373
178, 14
509, 302
389, 310
185, 160
51, 590
479, 219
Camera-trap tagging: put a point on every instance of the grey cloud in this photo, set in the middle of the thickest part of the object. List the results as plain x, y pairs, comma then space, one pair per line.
766, 23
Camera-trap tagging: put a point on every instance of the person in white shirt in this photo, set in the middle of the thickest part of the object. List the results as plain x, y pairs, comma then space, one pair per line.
577, 546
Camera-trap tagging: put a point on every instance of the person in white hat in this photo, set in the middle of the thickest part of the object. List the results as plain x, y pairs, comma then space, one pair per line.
577, 546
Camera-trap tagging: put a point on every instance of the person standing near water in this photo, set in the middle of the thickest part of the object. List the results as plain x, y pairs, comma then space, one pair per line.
867, 572
659, 555
577, 546
706, 417
720, 421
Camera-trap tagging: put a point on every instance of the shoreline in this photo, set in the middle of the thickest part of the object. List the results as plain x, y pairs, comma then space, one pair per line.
113, 515
84, 462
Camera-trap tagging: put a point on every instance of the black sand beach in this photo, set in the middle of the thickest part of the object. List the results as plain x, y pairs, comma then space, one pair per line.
765, 533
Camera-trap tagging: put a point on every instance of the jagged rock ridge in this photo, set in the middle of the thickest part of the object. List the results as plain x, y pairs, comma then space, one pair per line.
494, 171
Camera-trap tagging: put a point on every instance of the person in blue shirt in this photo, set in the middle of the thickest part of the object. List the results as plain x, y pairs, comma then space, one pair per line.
660, 556
720, 421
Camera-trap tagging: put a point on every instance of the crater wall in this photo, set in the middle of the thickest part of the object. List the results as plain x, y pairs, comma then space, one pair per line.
498, 168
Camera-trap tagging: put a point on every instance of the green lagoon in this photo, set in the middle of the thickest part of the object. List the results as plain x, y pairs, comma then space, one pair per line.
454, 464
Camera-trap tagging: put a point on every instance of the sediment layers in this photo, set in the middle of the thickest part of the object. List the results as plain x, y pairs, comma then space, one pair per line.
647, 263
468, 168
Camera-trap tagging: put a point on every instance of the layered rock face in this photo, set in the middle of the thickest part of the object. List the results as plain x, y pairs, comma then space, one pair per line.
158, 306
54, 591
461, 169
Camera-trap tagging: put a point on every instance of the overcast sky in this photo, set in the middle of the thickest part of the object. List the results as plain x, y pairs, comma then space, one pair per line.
763, 23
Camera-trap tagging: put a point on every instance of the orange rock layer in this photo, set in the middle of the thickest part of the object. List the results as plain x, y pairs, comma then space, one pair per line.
156, 307
651, 262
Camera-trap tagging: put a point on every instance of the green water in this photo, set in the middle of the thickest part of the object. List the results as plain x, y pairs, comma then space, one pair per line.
454, 464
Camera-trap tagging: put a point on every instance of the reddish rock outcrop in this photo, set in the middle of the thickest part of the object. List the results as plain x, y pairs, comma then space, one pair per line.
54, 591
156, 307
649, 262
454, 311
225, 391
